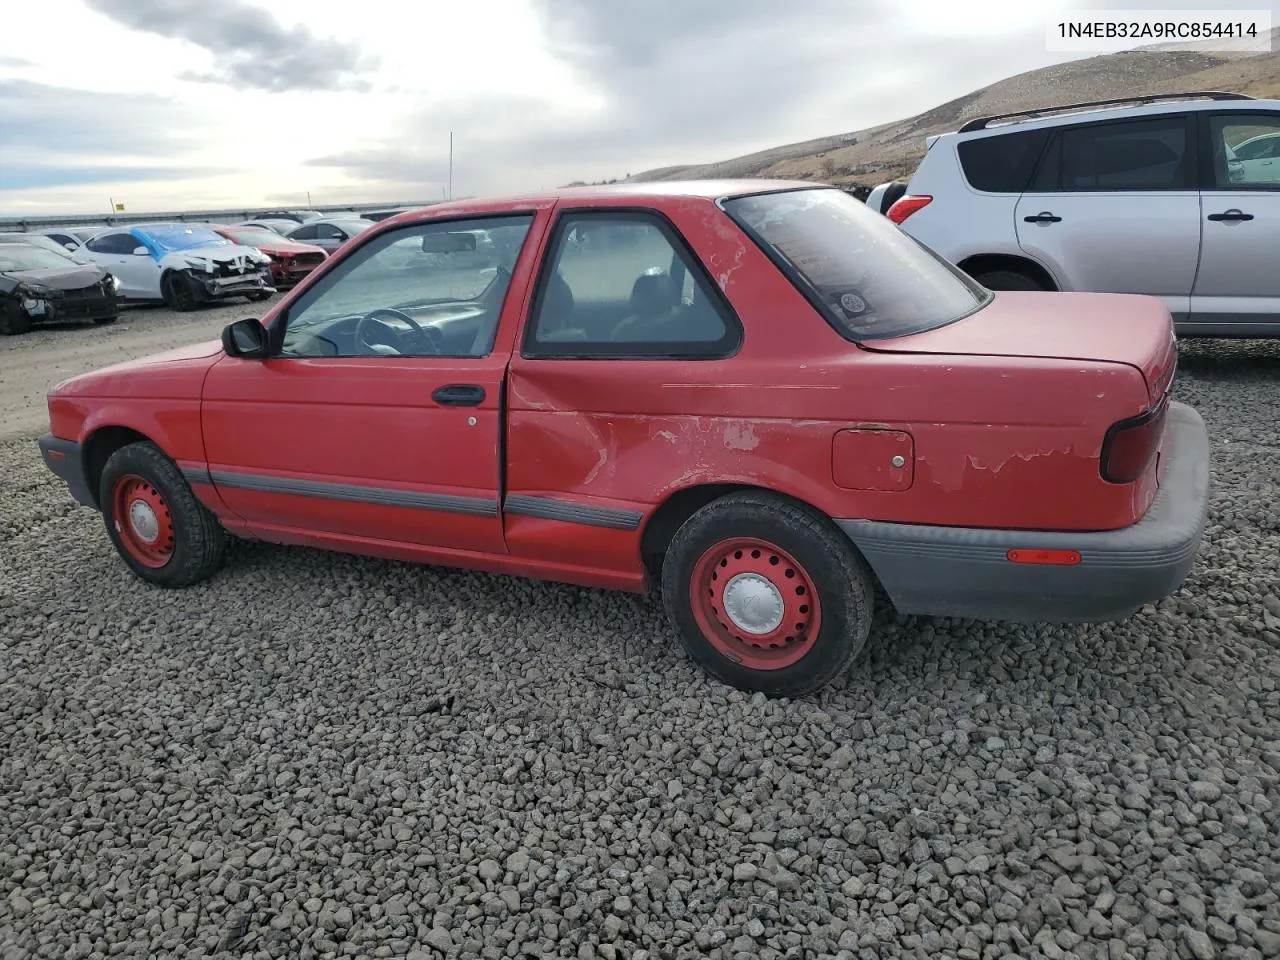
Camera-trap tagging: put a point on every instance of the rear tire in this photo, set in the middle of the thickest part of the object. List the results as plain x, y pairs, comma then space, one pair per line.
766, 595
13, 320
1008, 280
165, 535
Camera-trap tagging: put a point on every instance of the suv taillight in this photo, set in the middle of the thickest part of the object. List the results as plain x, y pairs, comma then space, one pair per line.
1130, 445
905, 206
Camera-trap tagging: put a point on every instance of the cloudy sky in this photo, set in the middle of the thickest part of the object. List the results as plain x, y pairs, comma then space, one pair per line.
181, 104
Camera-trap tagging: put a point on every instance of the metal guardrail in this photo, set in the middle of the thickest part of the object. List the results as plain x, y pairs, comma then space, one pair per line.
23, 224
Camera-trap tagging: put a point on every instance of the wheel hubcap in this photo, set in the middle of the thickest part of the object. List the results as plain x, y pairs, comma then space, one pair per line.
144, 521
753, 603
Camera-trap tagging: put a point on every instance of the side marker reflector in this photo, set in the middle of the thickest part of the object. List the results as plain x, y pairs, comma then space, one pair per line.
1056, 558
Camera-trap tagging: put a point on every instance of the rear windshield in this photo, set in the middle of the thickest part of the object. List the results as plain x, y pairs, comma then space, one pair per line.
868, 278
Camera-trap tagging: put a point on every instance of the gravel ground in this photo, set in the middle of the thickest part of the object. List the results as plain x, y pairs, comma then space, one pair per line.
321, 756
30, 364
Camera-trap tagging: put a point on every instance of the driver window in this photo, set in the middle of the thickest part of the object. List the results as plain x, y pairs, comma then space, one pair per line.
431, 290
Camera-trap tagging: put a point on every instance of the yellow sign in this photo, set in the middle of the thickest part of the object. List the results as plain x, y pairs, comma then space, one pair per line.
119, 208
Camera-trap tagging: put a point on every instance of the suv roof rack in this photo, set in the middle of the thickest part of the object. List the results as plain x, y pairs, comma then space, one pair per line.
981, 123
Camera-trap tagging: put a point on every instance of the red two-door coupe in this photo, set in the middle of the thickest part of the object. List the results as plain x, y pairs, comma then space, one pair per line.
760, 398
291, 261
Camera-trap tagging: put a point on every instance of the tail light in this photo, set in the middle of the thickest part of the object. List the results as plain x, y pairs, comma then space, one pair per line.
1130, 445
906, 205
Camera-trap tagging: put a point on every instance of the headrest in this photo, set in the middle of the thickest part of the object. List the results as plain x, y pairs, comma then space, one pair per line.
652, 294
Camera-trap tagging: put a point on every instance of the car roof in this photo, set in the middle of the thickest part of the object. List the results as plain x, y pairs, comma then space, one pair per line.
647, 193
1097, 114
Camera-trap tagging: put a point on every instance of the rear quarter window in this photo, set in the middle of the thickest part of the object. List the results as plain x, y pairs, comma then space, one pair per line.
869, 279
1002, 163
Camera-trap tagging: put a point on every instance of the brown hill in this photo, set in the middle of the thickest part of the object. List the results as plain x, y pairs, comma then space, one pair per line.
893, 149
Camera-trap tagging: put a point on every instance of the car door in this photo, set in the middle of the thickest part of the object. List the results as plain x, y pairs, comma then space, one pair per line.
377, 420
330, 236
138, 273
618, 290
1113, 208
1237, 287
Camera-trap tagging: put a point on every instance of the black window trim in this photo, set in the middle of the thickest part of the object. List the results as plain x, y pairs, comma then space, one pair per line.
1204, 127
810, 292
279, 324
1190, 129
726, 348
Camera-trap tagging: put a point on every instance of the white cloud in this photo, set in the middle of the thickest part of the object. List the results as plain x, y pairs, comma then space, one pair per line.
250, 101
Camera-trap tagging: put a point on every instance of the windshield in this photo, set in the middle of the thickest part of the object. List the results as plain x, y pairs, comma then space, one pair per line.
868, 278
180, 236
253, 236
26, 256
352, 226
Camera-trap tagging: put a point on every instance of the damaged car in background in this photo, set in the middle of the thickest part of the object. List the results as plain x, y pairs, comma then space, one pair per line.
38, 285
290, 261
184, 265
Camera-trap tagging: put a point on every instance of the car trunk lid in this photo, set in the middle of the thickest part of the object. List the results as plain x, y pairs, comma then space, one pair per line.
1115, 328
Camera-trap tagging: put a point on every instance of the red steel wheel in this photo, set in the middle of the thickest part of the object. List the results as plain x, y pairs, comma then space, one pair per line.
755, 604
143, 521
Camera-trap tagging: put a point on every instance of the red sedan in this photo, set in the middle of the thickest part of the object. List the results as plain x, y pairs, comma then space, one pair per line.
759, 399
290, 260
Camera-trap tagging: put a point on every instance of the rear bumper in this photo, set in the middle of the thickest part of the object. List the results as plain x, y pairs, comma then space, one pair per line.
66, 459
965, 572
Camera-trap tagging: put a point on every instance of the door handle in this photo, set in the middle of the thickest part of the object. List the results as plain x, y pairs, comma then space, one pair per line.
459, 395
1231, 216
1043, 216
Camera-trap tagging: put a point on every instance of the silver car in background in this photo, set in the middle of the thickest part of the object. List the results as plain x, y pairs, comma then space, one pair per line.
329, 233
1153, 197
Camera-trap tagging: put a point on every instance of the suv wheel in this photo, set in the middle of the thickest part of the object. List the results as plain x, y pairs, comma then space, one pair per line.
1008, 280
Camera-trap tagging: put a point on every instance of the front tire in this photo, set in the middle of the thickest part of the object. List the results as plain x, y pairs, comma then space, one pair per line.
179, 292
104, 321
766, 595
258, 296
165, 535
13, 320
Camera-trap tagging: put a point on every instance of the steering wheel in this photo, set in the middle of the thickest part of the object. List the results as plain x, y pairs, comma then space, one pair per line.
430, 334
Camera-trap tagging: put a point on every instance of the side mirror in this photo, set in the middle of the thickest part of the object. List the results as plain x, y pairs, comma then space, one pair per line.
69, 246
245, 338
140, 251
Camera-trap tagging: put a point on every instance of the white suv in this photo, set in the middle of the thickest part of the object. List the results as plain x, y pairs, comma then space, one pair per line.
1176, 196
